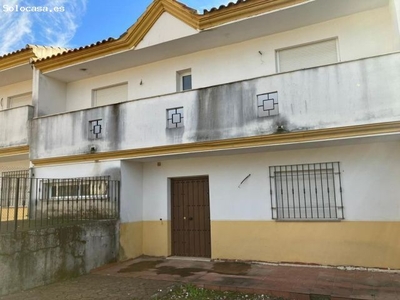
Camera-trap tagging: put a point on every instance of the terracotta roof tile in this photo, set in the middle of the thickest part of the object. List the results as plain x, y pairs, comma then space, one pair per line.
38, 50
213, 9
76, 49
27, 47
187, 7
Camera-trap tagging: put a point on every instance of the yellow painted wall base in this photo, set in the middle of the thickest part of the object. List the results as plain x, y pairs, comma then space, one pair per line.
149, 238
367, 244
131, 240
7, 214
157, 238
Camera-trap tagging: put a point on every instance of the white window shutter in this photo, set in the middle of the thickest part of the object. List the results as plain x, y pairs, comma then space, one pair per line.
306, 56
20, 100
110, 95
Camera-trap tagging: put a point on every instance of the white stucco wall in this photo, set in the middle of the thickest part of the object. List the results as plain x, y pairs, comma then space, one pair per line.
351, 93
360, 35
394, 6
370, 174
131, 191
166, 28
52, 95
111, 168
14, 90
14, 126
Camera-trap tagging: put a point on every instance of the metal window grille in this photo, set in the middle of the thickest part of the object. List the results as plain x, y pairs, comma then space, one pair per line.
175, 117
306, 191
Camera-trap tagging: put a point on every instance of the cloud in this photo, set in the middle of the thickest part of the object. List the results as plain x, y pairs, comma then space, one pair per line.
50, 28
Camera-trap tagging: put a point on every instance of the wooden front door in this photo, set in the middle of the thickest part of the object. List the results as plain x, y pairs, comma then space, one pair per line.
190, 209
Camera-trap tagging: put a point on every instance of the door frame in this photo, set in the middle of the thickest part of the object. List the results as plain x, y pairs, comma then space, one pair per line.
171, 208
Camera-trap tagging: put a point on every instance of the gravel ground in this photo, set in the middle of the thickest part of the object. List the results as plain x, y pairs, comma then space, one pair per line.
97, 287
193, 293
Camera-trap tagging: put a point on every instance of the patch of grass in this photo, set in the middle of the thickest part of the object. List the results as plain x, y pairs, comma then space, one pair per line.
193, 293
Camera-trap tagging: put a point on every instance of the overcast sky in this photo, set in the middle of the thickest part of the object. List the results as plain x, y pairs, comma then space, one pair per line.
71, 23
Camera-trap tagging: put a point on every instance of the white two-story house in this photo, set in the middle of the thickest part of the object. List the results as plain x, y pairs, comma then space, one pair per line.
16, 105
264, 130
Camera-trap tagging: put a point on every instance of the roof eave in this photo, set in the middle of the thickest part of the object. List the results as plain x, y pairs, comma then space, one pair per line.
16, 59
244, 10
134, 35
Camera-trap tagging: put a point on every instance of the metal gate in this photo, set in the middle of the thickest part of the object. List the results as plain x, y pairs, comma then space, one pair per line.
13, 185
14, 192
190, 211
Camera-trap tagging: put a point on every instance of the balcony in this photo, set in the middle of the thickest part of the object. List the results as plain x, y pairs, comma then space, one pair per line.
14, 126
352, 93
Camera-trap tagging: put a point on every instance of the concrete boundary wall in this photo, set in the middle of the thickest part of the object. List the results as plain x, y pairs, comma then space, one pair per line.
33, 258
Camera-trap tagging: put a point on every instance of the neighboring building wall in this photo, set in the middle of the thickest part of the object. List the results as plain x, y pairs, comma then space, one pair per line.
14, 126
344, 94
14, 90
14, 164
241, 222
10, 164
360, 35
33, 258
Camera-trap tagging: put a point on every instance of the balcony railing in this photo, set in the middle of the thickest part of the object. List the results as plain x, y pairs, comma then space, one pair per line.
358, 92
14, 126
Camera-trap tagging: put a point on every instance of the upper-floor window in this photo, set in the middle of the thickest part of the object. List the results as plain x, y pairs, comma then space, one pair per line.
110, 95
307, 55
184, 80
20, 100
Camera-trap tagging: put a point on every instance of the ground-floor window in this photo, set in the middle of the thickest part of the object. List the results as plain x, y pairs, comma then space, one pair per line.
75, 188
306, 191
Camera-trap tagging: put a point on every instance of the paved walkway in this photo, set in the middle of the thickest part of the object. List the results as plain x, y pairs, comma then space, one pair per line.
144, 277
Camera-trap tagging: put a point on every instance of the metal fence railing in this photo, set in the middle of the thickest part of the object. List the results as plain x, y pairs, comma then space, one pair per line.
28, 203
